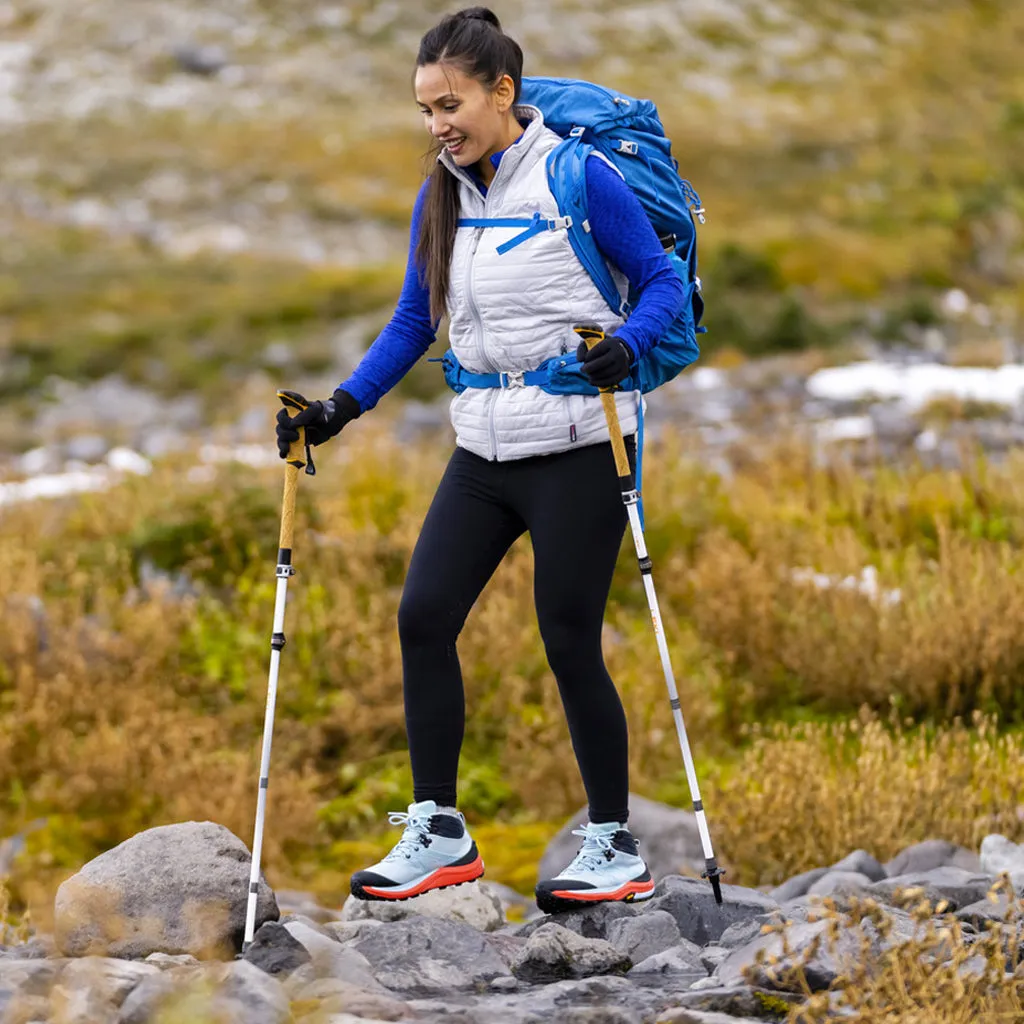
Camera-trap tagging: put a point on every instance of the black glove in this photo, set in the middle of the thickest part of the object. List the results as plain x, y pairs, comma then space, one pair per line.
322, 420
607, 363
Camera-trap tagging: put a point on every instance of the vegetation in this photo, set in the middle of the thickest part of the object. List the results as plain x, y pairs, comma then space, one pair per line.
123, 706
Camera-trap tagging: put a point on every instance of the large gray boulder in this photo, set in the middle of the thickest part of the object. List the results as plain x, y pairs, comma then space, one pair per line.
668, 837
430, 956
172, 889
700, 919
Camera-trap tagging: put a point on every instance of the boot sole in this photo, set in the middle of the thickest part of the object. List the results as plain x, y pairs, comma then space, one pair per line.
560, 901
472, 872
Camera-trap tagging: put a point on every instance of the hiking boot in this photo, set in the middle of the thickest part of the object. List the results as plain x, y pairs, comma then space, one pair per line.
435, 851
608, 867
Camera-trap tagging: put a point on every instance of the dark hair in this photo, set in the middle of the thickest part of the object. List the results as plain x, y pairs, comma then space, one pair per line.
472, 41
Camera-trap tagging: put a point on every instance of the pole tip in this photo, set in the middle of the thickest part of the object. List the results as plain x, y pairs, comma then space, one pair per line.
714, 875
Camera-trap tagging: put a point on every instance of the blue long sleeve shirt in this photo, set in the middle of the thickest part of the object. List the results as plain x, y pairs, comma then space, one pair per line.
622, 233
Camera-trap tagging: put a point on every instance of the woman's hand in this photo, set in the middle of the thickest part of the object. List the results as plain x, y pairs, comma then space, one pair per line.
607, 363
322, 420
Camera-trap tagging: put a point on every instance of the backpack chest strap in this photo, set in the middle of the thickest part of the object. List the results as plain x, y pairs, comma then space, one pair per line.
533, 226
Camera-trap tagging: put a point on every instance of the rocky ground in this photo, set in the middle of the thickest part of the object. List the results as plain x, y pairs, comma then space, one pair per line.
158, 921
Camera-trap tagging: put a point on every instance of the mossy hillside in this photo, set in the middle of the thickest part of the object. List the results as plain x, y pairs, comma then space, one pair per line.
854, 161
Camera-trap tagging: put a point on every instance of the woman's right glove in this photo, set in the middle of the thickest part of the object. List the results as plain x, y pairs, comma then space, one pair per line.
322, 420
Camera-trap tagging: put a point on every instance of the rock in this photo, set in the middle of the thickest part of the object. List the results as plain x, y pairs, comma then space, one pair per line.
349, 931
29, 977
744, 1001
93, 988
641, 937
682, 958
712, 956
932, 853
553, 953
332, 995
275, 951
429, 955
954, 885
839, 881
165, 960
235, 992
746, 931
999, 855
600, 1015
683, 1016
668, 838
984, 912
699, 918
590, 922
862, 862
200, 60
172, 889
329, 958
797, 885
507, 946
86, 447
39, 947
475, 904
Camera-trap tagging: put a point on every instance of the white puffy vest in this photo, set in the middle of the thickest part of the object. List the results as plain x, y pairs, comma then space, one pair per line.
513, 311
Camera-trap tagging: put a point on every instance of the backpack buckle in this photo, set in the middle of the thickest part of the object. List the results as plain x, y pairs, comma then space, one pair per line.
512, 379
576, 131
625, 146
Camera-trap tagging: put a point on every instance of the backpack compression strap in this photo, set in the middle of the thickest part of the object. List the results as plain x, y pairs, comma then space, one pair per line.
534, 226
567, 179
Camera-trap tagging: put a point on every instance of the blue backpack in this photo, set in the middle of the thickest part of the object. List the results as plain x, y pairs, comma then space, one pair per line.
628, 133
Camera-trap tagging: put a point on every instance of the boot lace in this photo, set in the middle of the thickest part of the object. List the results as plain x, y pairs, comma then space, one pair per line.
597, 847
416, 834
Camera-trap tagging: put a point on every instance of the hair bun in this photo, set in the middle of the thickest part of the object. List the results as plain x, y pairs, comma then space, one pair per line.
479, 14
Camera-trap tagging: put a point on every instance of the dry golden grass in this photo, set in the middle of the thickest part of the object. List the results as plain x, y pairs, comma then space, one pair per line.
140, 709
943, 974
806, 796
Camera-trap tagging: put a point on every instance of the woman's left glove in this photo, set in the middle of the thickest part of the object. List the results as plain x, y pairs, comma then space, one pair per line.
607, 363
322, 420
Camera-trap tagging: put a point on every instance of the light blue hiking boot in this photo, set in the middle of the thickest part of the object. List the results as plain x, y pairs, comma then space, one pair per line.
435, 851
608, 867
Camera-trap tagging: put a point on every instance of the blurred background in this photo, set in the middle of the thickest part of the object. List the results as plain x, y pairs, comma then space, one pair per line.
200, 202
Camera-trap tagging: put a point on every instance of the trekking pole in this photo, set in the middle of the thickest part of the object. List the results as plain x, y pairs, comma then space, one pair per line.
591, 333
298, 456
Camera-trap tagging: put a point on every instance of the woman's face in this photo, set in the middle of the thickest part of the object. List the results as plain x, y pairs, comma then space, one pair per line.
470, 120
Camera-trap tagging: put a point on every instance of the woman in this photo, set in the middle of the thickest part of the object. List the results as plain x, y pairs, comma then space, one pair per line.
525, 461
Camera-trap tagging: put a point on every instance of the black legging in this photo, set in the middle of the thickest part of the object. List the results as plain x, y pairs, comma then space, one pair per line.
572, 507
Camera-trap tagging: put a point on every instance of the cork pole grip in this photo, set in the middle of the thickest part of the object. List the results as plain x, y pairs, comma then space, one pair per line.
592, 334
294, 403
291, 482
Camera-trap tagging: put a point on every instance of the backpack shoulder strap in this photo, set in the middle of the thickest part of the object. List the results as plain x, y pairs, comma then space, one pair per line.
567, 179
